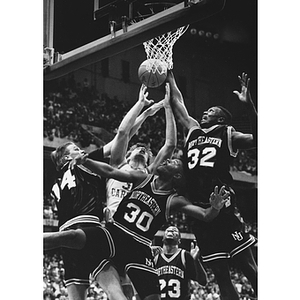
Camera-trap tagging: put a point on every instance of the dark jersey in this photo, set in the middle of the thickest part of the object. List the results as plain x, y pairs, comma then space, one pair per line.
174, 273
207, 156
80, 194
143, 211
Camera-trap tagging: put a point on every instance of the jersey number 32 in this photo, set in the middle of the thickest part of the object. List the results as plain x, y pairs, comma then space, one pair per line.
204, 157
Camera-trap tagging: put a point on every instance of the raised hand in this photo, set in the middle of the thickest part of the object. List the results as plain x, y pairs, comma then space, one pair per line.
195, 251
244, 95
218, 198
143, 96
153, 109
78, 160
156, 250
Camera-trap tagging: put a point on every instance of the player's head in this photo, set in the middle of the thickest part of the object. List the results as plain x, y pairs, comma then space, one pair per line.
171, 236
172, 169
65, 153
215, 115
139, 152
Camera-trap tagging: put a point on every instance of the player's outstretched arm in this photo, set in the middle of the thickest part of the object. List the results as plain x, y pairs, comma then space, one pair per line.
178, 105
240, 140
121, 140
217, 200
150, 111
171, 134
105, 170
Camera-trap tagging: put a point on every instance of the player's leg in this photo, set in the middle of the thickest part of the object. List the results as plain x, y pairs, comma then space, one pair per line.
77, 292
127, 286
74, 239
140, 275
220, 268
109, 281
245, 261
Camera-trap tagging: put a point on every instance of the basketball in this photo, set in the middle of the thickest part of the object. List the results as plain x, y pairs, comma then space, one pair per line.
155, 76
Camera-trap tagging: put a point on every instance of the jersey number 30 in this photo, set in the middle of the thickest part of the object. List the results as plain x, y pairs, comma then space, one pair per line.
173, 284
204, 157
142, 219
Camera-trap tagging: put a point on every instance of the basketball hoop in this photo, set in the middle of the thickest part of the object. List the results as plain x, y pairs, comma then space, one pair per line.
161, 48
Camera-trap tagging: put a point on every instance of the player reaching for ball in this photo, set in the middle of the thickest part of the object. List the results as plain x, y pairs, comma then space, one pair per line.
209, 147
138, 157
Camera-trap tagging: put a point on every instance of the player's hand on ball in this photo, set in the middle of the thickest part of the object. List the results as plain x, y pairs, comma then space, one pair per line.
218, 197
143, 96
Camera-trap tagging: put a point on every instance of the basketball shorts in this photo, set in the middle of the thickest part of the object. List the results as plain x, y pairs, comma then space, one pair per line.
136, 260
112, 245
80, 263
222, 238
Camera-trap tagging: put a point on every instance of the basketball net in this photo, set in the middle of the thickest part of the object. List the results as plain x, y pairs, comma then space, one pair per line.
161, 48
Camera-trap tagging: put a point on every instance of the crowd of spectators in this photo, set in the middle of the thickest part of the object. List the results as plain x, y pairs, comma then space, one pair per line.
54, 288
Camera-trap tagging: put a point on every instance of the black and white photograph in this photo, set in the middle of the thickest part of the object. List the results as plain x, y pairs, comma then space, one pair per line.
150, 147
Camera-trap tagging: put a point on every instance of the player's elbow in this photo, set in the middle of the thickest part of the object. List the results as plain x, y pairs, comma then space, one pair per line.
123, 132
170, 145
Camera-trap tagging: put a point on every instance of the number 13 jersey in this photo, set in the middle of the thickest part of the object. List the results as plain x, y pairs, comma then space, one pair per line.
207, 156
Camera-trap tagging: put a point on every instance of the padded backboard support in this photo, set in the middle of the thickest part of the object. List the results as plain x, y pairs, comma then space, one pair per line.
135, 35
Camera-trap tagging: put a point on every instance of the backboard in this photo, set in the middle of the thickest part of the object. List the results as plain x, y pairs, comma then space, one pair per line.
130, 23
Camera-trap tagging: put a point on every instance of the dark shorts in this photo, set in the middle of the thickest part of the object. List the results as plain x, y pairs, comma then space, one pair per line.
222, 238
112, 245
80, 263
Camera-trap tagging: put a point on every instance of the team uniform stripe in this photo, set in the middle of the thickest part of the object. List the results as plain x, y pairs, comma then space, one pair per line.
133, 234
77, 281
230, 129
99, 268
111, 243
140, 267
156, 191
220, 255
144, 182
80, 219
242, 247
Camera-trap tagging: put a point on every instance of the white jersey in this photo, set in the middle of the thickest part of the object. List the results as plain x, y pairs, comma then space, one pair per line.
116, 190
